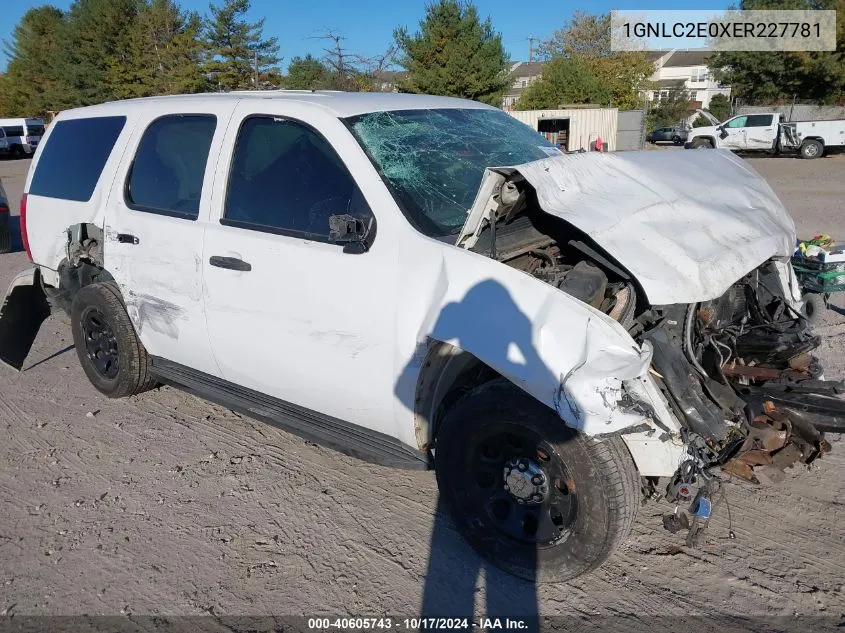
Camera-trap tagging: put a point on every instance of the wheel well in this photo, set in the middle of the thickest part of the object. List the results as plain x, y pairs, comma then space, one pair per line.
709, 139
447, 374
82, 266
813, 138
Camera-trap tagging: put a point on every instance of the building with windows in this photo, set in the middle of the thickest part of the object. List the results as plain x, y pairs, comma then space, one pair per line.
677, 70
523, 75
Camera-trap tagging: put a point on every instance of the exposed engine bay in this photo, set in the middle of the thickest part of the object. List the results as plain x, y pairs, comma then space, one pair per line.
737, 371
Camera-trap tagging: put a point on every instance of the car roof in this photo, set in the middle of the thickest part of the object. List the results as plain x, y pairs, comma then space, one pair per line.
341, 104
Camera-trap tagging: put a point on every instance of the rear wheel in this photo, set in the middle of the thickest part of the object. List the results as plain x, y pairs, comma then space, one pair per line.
702, 143
16, 151
812, 148
109, 351
532, 496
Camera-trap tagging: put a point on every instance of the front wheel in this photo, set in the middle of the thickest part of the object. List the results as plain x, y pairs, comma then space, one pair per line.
109, 351
702, 143
532, 496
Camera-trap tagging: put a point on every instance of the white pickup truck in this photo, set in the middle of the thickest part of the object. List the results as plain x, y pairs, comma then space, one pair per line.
770, 133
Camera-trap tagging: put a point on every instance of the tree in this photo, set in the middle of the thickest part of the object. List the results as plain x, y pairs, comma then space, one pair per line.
96, 57
237, 47
33, 83
167, 50
454, 53
306, 73
720, 107
565, 81
672, 109
584, 34
586, 38
776, 77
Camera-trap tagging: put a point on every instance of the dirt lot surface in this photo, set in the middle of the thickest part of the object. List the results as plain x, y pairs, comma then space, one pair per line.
166, 504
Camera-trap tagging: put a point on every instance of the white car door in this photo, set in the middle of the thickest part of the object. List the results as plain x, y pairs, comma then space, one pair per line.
760, 131
154, 229
292, 314
733, 133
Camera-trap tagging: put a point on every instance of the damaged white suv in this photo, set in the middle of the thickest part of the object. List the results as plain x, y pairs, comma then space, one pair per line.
426, 282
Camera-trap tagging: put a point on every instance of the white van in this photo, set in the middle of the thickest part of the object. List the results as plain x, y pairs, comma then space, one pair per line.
23, 135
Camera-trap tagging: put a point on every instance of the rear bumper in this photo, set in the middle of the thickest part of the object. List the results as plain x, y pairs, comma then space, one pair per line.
23, 311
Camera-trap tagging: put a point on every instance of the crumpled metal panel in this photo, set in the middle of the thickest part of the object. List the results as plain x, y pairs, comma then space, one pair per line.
686, 224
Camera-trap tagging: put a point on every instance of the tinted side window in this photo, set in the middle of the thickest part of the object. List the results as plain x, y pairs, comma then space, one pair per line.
167, 173
287, 179
759, 120
737, 122
73, 158
14, 130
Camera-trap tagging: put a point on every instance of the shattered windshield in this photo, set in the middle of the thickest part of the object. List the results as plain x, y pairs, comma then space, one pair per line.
434, 159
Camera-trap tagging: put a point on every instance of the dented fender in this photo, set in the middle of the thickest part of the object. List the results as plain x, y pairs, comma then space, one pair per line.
566, 354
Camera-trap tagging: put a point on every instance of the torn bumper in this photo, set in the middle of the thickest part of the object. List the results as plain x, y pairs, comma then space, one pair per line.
24, 310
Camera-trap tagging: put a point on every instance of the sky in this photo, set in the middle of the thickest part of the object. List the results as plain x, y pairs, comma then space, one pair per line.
368, 24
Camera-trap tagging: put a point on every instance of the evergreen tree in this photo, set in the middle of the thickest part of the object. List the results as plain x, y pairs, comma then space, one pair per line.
772, 77
455, 54
306, 73
237, 47
32, 83
167, 50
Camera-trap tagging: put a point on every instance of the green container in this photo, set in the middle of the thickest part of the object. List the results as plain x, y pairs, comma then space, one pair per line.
816, 276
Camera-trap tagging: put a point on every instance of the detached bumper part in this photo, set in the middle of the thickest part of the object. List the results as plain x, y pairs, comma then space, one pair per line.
24, 309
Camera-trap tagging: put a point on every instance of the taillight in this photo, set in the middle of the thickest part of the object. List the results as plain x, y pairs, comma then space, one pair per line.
24, 237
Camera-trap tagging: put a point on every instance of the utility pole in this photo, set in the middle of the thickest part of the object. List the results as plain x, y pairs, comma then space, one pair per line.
531, 39
255, 79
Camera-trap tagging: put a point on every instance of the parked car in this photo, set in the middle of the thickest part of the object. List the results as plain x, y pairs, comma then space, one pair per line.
543, 330
768, 132
5, 239
676, 135
23, 135
4, 143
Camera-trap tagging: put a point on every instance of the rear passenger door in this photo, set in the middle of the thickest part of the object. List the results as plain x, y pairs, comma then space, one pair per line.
154, 230
760, 131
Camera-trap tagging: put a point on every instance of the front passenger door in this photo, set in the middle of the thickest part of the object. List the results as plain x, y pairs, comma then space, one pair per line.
734, 129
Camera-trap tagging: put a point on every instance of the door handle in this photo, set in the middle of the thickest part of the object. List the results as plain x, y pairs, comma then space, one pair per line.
232, 263
125, 238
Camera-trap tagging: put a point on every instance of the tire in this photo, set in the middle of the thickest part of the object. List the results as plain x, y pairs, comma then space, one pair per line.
702, 143
16, 152
5, 240
677, 140
812, 148
109, 351
814, 307
588, 505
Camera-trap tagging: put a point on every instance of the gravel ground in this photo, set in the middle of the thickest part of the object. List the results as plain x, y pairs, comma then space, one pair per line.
166, 504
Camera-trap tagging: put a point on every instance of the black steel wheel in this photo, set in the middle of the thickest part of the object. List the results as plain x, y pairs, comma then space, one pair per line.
100, 343
521, 484
112, 356
532, 496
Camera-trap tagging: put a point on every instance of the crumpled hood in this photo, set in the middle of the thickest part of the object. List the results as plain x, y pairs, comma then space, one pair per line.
685, 224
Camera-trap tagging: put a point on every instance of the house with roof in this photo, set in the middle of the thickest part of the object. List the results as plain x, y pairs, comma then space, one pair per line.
677, 70
523, 74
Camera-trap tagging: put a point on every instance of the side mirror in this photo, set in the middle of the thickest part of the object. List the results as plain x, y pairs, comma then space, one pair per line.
350, 231
723, 133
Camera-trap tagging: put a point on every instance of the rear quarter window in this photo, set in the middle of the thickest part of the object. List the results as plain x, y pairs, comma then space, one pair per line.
73, 157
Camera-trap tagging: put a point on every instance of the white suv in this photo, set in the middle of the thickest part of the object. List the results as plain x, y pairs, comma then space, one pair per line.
424, 282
